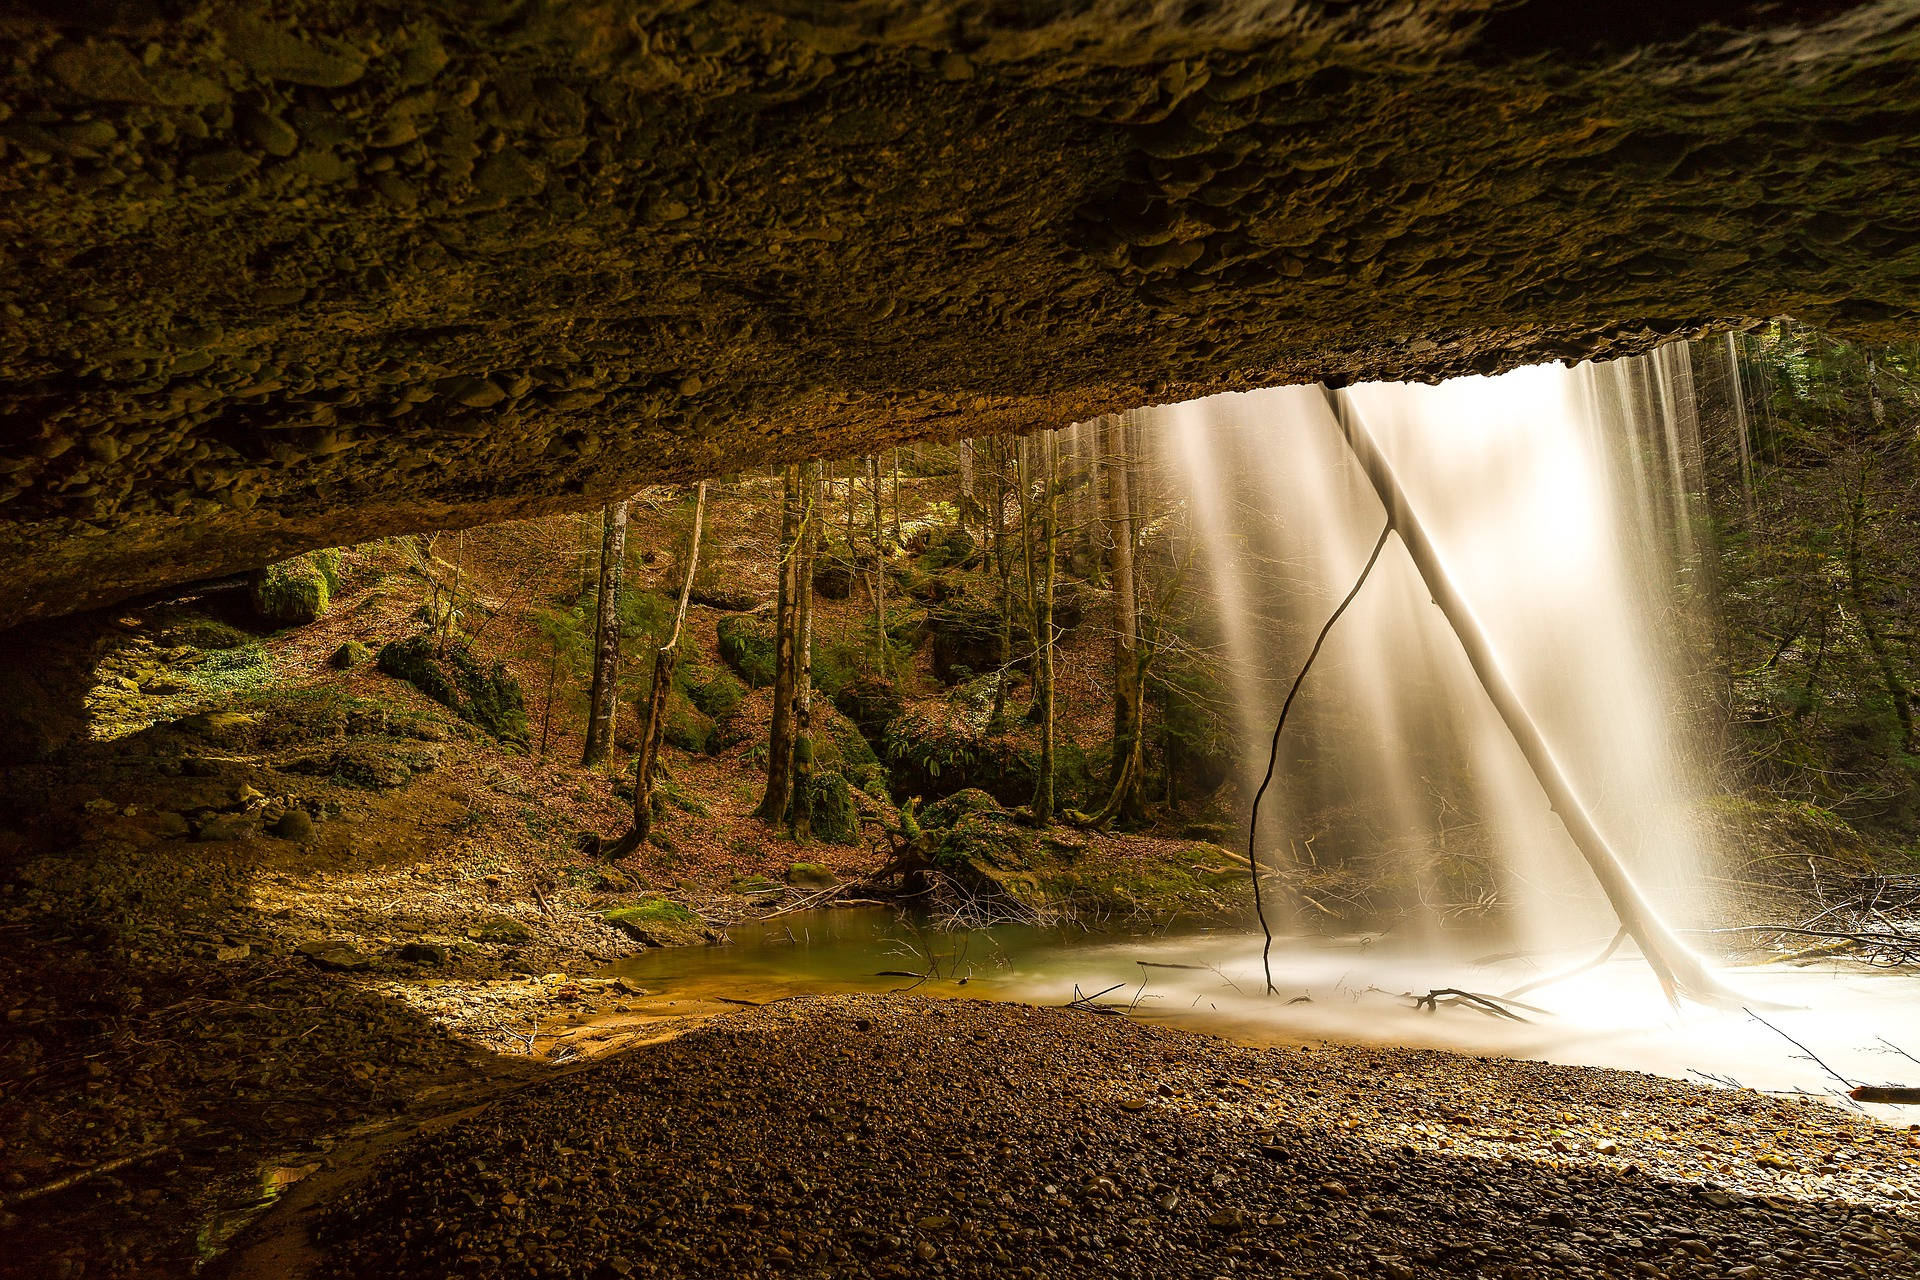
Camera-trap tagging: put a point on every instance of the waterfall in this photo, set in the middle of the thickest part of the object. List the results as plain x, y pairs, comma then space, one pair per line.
1561, 501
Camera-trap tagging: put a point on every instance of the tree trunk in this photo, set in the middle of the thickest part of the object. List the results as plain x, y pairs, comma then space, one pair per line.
1043, 797
896, 497
1680, 971
1896, 688
805, 551
997, 452
966, 484
779, 797
1124, 776
1023, 473
882, 648
665, 659
606, 637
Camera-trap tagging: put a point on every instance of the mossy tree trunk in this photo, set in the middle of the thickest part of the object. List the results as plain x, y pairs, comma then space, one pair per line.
606, 637
997, 455
805, 553
666, 660
1043, 797
1858, 593
881, 648
1124, 776
778, 799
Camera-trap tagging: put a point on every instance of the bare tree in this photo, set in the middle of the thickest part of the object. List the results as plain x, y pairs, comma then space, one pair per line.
779, 795
882, 650
665, 660
805, 554
1127, 736
606, 636
1043, 797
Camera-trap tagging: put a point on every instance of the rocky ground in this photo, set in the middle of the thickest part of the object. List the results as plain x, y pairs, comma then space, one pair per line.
873, 1136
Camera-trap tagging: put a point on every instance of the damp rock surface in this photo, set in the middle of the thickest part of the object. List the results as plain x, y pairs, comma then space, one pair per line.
878, 1136
290, 276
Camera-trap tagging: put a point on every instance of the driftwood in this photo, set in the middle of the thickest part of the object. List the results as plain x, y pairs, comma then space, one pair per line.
78, 1176
1894, 1094
1679, 970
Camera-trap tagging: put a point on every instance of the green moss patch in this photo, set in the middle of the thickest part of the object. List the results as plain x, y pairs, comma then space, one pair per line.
294, 592
747, 643
452, 676
658, 922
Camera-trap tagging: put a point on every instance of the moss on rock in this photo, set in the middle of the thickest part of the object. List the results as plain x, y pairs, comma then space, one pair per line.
747, 643
351, 654
294, 592
452, 676
657, 922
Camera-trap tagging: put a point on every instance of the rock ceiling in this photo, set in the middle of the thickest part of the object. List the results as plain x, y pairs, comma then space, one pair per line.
285, 275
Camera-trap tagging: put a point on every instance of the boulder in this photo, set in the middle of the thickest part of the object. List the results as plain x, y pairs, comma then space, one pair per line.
294, 592
337, 954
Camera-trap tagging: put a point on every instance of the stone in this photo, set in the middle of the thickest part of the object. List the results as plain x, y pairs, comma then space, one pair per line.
427, 953
294, 825
657, 922
226, 826
238, 951
349, 655
268, 132
337, 954
276, 54
500, 929
293, 592
510, 174
811, 875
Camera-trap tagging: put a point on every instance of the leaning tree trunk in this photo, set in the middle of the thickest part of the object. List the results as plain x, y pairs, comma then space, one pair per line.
804, 553
606, 637
1681, 973
1043, 797
779, 797
665, 659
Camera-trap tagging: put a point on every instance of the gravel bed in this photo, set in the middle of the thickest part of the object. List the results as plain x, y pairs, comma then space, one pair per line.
861, 1135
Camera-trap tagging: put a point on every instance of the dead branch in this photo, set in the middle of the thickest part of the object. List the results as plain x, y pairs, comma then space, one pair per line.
78, 1176
1453, 997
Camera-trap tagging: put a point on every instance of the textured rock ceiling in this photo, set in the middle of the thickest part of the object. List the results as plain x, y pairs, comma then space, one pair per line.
282, 275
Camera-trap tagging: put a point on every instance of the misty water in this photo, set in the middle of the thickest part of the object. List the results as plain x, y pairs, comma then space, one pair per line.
1358, 989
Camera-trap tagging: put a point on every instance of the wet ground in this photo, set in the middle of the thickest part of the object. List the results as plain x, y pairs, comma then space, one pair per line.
906, 1136
1814, 1028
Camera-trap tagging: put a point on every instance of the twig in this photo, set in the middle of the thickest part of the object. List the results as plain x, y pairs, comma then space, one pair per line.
1811, 1055
1484, 1004
79, 1176
1273, 751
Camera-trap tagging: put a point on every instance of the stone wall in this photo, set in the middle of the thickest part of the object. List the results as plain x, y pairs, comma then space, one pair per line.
283, 275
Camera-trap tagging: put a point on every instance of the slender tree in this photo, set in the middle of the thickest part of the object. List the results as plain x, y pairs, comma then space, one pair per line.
1124, 776
997, 455
606, 636
882, 650
1043, 797
779, 796
665, 660
896, 497
806, 551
